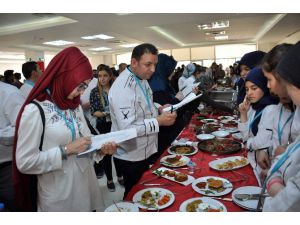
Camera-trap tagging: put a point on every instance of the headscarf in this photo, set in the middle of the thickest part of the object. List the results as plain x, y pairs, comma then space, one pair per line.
189, 70
64, 73
165, 66
252, 59
289, 66
257, 77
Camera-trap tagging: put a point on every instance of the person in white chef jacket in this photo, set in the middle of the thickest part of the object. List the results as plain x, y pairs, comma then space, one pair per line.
283, 181
131, 106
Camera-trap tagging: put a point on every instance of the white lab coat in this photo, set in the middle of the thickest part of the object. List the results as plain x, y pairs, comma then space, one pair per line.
63, 185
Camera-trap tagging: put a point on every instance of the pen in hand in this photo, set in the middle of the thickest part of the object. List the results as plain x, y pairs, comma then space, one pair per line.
171, 108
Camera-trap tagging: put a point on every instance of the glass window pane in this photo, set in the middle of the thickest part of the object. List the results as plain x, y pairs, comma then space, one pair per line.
233, 51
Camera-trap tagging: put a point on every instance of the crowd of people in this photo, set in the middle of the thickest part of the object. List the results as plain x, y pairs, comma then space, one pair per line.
49, 119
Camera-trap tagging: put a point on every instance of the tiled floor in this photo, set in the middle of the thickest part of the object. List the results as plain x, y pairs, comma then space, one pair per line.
108, 196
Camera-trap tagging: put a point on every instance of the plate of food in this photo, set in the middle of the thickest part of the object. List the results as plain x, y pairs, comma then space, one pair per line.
209, 121
202, 204
229, 163
153, 198
207, 128
205, 136
225, 118
175, 176
174, 160
220, 146
182, 150
212, 186
250, 204
220, 133
229, 123
122, 207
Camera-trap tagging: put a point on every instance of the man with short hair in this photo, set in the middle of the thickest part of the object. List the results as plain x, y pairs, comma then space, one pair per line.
122, 67
131, 106
10, 103
31, 72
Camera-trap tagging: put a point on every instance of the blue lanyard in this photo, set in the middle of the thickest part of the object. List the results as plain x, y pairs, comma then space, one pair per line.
251, 123
70, 124
283, 158
143, 90
29, 82
280, 130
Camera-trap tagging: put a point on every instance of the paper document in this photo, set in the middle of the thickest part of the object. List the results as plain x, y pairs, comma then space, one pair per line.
188, 89
190, 97
117, 137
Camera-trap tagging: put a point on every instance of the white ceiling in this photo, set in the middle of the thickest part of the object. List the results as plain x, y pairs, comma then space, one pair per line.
29, 31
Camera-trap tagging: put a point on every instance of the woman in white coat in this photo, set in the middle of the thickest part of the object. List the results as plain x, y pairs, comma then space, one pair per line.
256, 117
49, 151
283, 181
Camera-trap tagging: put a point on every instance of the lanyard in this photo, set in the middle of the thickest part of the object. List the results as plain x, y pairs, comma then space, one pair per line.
251, 123
29, 82
70, 124
283, 158
280, 130
143, 90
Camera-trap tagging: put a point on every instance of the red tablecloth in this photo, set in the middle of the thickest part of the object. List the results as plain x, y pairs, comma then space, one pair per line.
201, 159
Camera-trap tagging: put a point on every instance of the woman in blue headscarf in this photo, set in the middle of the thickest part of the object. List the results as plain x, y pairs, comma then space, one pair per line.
256, 117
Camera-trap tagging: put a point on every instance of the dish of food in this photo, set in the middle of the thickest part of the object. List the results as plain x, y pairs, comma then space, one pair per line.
153, 198
122, 207
212, 186
220, 133
220, 146
229, 163
175, 176
202, 204
209, 121
207, 128
205, 136
229, 123
174, 160
225, 118
182, 150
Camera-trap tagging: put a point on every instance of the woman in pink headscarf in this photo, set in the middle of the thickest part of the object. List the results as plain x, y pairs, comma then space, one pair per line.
48, 152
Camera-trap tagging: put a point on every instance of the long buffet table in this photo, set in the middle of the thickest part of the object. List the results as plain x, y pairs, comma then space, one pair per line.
239, 178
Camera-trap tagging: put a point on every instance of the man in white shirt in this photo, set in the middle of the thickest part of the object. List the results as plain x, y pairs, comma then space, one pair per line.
31, 72
131, 106
10, 103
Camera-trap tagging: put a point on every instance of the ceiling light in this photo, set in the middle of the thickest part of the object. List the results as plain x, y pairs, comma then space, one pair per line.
224, 37
58, 43
215, 32
99, 49
129, 45
97, 36
214, 25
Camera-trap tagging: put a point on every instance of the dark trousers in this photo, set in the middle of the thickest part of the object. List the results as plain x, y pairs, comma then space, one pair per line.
106, 163
6, 187
132, 172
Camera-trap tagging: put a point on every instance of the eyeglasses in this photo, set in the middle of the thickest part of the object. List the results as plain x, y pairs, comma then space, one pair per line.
82, 86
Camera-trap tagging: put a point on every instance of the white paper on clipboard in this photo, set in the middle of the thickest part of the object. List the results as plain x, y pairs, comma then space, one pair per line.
190, 97
117, 137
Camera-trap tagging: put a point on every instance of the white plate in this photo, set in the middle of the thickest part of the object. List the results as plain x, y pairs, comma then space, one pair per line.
227, 118
182, 162
173, 153
185, 183
220, 133
212, 203
248, 204
237, 136
207, 191
214, 164
210, 121
230, 129
159, 193
123, 207
205, 136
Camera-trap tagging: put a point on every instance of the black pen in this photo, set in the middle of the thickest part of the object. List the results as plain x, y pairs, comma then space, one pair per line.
171, 108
